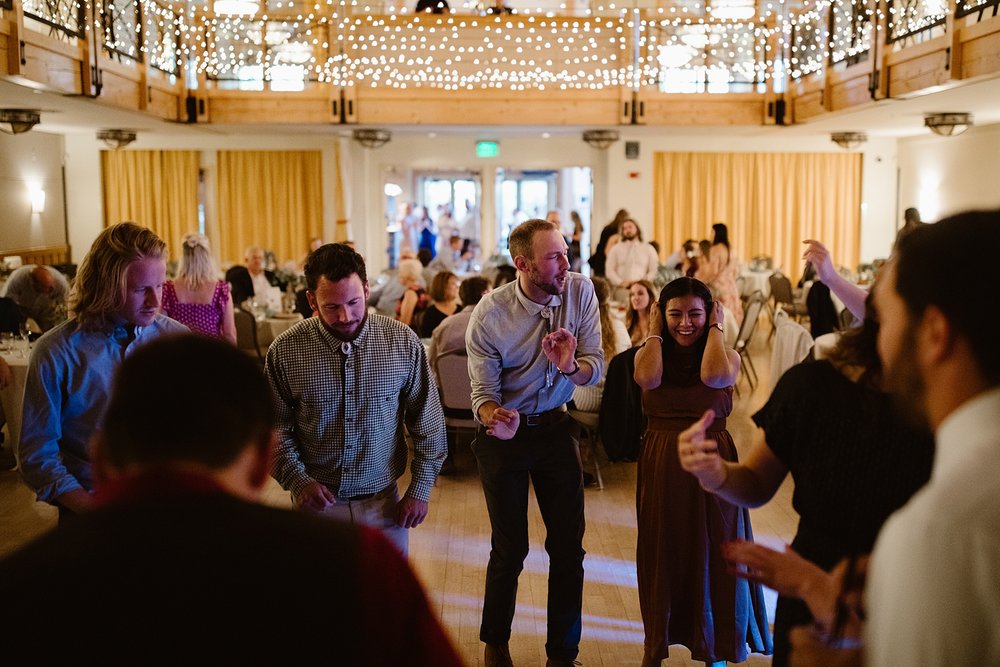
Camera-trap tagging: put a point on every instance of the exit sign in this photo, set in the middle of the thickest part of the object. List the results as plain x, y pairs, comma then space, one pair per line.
487, 149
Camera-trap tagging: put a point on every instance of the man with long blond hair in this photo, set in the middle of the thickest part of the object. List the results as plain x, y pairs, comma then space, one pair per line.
115, 307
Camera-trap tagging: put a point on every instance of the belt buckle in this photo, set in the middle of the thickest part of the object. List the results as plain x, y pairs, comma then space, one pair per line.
534, 420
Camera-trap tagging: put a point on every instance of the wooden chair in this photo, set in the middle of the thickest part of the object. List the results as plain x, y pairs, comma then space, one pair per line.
782, 297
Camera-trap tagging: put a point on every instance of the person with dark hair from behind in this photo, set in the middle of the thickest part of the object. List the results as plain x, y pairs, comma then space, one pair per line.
171, 565
505, 274
911, 221
351, 390
116, 309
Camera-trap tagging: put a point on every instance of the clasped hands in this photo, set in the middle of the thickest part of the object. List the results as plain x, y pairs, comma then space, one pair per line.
315, 496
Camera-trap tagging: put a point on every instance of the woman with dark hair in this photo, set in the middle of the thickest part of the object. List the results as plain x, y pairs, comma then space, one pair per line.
641, 296
831, 426
719, 272
686, 594
444, 302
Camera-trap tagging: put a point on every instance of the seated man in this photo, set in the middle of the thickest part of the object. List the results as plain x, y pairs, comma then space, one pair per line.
40, 292
252, 280
180, 562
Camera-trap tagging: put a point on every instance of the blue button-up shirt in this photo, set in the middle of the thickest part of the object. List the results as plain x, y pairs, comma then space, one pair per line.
66, 392
504, 340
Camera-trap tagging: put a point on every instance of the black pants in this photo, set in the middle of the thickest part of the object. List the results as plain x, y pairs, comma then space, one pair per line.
550, 457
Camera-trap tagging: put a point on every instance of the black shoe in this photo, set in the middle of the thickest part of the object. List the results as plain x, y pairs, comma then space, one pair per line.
497, 655
588, 479
7, 459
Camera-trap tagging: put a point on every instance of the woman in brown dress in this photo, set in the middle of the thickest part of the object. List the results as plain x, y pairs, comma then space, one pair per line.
686, 594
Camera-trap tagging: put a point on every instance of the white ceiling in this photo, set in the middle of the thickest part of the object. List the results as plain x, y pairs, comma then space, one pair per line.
886, 118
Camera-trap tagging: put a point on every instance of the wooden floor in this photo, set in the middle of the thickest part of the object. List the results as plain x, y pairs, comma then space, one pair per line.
450, 551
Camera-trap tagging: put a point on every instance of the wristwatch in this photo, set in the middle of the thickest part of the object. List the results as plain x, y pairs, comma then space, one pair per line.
576, 369
718, 325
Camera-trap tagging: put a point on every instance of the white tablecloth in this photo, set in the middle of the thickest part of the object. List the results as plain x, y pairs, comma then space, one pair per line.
755, 280
12, 397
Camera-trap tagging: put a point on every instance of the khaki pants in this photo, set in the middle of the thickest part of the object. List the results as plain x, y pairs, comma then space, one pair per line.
377, 512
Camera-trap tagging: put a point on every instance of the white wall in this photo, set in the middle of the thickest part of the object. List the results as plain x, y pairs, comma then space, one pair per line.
31, 161
945, 175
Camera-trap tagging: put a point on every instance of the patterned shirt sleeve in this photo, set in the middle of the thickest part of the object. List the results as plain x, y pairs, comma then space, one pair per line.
425, 423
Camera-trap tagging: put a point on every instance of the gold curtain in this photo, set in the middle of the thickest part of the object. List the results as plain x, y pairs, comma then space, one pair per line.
156, 189
771, 203
273, 199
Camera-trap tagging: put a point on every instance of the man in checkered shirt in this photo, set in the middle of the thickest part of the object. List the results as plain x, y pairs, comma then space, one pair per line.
345, 385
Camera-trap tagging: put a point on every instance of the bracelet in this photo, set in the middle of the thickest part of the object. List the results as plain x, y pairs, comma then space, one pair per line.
575, 370
659, 338
718, 325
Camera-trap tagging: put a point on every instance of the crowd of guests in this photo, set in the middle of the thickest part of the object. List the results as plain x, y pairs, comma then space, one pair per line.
348, 400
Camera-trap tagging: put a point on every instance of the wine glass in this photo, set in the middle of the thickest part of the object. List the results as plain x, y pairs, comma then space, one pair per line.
25, 344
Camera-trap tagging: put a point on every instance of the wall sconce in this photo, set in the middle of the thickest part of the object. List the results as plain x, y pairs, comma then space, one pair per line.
18, 121
600, 138
371, 138
948, 124
116, 139
848, 140
37, 197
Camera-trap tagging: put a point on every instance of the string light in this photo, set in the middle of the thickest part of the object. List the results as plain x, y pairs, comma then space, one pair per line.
683, 47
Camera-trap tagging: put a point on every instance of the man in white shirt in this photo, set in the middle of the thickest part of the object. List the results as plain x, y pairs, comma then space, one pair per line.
933, 589
630, 259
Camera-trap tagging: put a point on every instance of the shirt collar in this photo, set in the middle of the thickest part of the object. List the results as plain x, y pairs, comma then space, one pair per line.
532, 307
968, 433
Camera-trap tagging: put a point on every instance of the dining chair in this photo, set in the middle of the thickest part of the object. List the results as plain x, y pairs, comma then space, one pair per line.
246, 333
782, 297
750, 316
591, 436
452, 371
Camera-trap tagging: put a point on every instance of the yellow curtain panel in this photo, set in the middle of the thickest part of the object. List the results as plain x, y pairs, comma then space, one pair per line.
156, 189
771, 203
273, 199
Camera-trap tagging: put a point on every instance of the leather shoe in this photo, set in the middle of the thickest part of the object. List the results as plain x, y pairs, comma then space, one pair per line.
497, 655
556, 662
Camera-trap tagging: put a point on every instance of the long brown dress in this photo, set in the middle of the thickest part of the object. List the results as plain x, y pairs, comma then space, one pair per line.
685, 594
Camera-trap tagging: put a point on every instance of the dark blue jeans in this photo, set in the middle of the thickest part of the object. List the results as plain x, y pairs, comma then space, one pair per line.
550, 458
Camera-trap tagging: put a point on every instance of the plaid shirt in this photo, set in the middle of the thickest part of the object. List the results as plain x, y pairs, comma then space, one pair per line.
341, 409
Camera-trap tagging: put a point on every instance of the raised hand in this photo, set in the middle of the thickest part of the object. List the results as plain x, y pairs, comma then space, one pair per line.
699, 455
560, 348
817, 255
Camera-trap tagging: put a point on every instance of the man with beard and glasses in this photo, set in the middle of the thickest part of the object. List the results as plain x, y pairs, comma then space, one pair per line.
630, 260
530, 343
345, 385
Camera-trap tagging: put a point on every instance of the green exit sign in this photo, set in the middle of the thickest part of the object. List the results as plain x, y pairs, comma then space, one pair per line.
487, 149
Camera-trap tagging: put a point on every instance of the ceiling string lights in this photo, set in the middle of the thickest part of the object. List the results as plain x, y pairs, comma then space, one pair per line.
689, 46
